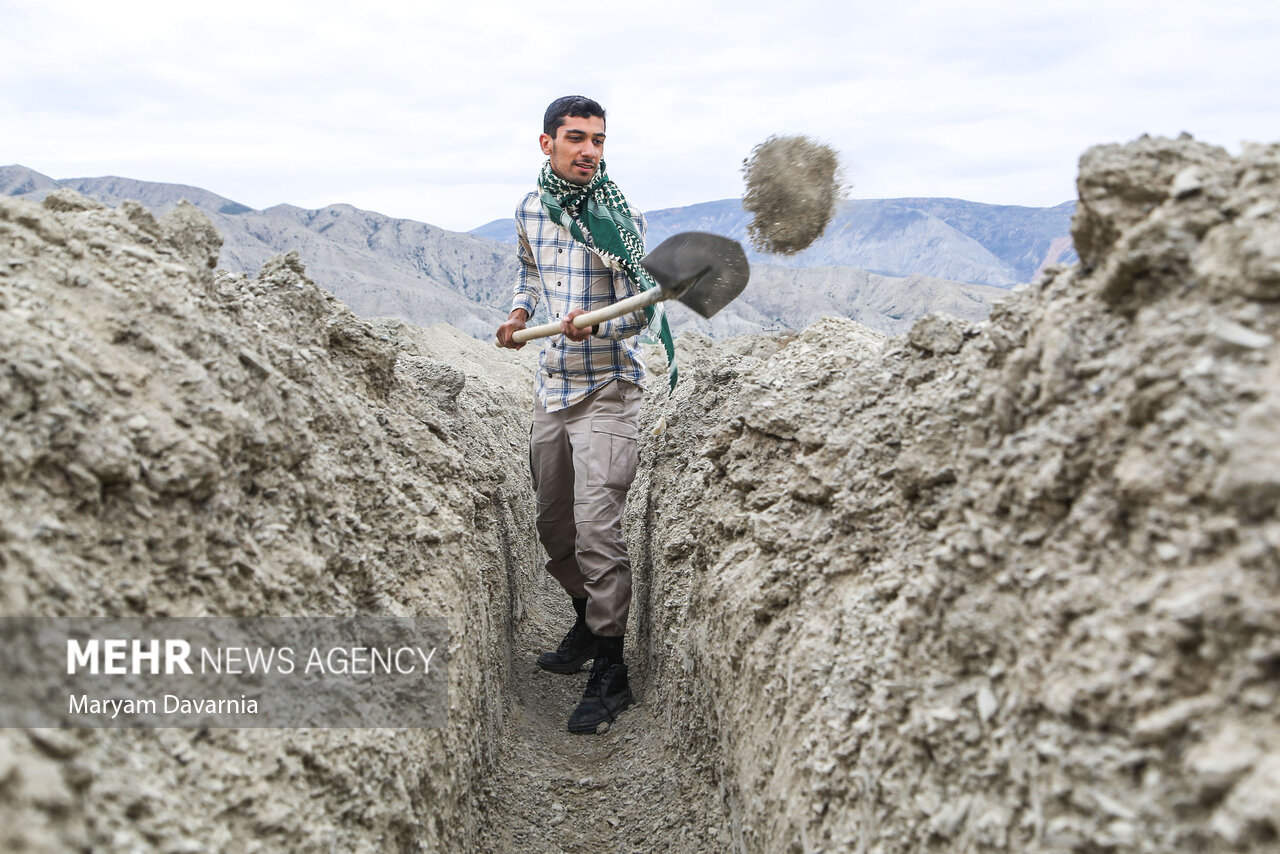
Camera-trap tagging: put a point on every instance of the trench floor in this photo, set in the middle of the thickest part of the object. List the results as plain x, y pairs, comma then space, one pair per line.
621, 791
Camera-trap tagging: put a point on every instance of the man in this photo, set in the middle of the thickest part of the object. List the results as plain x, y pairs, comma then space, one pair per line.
580, 247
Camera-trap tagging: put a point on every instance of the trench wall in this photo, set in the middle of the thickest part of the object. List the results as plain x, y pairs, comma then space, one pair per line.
1012, 585
175, 443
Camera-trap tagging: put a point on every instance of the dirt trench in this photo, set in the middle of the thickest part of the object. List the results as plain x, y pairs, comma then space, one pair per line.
183, 442
999, 586
625, 790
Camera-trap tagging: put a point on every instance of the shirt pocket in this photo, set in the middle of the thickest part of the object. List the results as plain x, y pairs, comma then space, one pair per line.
551, 259
612, 454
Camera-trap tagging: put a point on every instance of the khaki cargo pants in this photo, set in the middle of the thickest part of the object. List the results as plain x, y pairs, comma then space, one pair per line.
583, 460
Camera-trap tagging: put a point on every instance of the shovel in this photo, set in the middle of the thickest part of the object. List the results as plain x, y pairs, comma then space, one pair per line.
703, 271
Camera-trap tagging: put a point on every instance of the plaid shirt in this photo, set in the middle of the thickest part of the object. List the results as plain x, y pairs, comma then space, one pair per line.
570, 275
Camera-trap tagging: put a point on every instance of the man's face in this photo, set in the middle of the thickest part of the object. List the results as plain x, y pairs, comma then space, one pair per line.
576, 149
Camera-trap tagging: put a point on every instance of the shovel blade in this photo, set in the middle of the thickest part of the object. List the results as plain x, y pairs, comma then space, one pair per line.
704, 271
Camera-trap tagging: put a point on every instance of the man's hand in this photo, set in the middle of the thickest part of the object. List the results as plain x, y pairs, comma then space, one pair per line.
516, 321
572, 332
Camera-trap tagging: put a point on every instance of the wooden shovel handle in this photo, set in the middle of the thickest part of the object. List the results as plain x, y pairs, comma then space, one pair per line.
591, 318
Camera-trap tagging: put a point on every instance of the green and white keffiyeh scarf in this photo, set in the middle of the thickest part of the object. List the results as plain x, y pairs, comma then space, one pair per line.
603, 210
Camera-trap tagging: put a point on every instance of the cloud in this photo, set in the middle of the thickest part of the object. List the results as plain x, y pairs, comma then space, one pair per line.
432, 112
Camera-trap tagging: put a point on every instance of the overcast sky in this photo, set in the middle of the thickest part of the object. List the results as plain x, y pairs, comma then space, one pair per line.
432, 110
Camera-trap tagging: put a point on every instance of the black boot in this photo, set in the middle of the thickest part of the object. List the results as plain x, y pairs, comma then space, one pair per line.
578, 646
608, 692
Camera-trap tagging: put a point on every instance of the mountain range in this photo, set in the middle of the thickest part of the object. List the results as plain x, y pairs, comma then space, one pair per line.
377, 265
897, 259
971, 242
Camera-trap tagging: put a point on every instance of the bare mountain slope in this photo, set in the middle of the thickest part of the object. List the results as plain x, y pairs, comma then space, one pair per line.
792, 298
18, 180
381, 266
377, 265
160, 197
941, 238
1027, 239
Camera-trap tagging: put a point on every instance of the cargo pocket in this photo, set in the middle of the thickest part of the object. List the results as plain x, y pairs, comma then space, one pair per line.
613, 453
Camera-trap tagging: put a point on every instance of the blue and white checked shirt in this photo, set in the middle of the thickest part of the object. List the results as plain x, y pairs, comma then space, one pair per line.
569, 275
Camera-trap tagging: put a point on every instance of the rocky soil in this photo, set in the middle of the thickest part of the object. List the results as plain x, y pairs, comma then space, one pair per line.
1006, 585
184, 442
1011, 585
180, 443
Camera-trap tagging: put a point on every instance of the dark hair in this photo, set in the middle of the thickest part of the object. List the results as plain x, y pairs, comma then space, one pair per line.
570, 105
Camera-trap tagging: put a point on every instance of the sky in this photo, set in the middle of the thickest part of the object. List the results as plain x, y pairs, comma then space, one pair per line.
431, 111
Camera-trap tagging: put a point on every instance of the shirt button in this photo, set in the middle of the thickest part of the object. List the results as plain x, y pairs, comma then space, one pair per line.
560, 250
558, 284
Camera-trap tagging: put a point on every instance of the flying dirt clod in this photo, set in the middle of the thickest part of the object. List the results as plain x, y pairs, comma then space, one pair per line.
792, 188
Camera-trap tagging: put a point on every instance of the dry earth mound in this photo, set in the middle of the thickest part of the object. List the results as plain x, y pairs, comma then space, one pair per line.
1012, 585
177, 443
